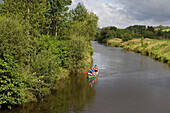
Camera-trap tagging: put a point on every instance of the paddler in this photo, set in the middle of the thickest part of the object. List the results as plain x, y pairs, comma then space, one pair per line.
96, 69
91, 71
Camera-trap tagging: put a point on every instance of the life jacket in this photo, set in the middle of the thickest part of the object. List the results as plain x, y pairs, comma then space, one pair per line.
95, 69
91, 70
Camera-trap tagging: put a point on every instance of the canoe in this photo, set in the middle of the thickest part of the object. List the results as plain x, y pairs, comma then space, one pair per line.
92, 76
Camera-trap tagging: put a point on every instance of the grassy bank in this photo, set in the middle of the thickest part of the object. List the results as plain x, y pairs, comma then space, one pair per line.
157, 49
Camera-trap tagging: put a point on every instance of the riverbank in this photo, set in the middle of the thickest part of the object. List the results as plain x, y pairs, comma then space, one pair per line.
157, 49
37, 55
64, 75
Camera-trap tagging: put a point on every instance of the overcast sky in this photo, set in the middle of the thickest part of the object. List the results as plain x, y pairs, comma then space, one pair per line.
123, 13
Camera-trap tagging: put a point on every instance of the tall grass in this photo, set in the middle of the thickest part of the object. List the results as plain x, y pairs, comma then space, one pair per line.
157, 49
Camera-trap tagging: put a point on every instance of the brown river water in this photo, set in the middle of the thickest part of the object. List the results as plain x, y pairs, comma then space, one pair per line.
128, 83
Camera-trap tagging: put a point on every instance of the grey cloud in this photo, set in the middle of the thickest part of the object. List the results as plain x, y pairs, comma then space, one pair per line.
123, 13
157, 10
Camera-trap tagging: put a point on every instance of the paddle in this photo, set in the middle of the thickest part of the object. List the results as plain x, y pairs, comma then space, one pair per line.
86, 71
85, 76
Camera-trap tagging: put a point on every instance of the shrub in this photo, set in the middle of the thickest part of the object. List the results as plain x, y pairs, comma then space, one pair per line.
13, 39
77, 51
142, 39
126, 37
11, 84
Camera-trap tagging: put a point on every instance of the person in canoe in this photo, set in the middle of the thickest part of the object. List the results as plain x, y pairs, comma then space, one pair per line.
96, 69
91, 71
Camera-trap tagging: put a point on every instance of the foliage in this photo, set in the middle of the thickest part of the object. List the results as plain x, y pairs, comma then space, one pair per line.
136, 31
27, 12
45, 42
148, 34
142, 39
106, 33
83, 24
13, 39
11, 83
79, 13
126, 37
157, 49
57, 15
77, 50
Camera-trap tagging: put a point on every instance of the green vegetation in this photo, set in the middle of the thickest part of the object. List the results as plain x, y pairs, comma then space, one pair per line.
157, 49
151, 41
131, 32
166, 30
41, 42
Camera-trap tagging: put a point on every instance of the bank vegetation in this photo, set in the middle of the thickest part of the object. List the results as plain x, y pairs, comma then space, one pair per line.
157, 49
41, 42
147, 40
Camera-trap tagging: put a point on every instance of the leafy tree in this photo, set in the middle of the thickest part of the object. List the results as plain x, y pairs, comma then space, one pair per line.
150, 28
83, 23
137, 29
79, 13
107, 33
126, 37
148, 34
57, 14
31, 12
13, 39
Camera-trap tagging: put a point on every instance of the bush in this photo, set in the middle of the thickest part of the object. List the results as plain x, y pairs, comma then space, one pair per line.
142, 39
77, 51
46, 64
11, 84
126, 37
13, 39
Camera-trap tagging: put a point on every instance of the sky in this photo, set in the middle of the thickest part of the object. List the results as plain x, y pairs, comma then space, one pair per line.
124, 13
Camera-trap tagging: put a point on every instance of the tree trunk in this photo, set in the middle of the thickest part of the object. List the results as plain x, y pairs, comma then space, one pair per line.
29, 41
56, 31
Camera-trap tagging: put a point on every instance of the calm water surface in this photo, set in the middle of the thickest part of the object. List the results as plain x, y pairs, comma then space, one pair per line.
128, 83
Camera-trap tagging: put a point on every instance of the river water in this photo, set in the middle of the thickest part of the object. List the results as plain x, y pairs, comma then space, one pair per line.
128, 83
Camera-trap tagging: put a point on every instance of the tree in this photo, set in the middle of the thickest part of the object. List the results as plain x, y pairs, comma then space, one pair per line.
13, 39
28, 12
148, 34
79, 13
137, 29
126, 37
150, 28
57, 14
83, 23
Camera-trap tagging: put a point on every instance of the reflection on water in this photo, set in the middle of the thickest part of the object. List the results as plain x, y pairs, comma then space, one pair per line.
73, 95
92, 81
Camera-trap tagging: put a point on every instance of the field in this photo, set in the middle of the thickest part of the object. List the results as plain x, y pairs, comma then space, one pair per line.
166, 30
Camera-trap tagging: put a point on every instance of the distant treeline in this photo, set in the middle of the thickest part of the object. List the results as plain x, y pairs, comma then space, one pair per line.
41, 41
136, 31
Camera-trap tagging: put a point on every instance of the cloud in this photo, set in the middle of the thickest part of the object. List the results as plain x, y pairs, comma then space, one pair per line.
123, 13
157, 10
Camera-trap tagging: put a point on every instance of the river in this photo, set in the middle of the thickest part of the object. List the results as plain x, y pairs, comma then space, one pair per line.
128, 83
